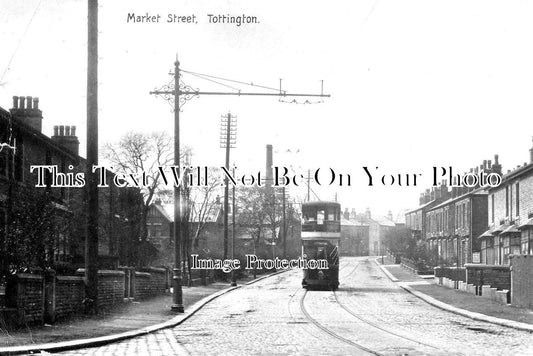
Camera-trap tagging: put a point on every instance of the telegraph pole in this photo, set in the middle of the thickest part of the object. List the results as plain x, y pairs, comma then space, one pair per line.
233, 275
91, 238
227, 139
284, 226
178, 93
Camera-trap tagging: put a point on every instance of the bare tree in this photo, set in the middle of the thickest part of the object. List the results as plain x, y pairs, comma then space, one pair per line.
201, 206
140, 153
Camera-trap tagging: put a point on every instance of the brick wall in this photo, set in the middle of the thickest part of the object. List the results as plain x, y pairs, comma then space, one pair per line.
522, 281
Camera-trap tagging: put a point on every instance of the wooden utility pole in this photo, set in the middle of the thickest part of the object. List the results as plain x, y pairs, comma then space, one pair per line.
227, 139
91, 238
179, 93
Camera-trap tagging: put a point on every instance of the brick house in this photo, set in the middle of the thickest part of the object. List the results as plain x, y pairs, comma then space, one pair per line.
450, 221
23, 145
453, 226
510, 217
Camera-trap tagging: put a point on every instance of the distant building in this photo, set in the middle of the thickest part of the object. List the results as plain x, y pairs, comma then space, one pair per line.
354, 238
366, 234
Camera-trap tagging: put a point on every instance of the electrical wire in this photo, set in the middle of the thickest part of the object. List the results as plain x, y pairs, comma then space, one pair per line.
230, 80
214, 81
19, 42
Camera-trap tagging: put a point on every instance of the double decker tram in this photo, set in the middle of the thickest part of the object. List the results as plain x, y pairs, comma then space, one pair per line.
321, 234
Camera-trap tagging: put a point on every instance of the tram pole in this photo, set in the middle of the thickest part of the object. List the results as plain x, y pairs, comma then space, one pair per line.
179, 93
177, 293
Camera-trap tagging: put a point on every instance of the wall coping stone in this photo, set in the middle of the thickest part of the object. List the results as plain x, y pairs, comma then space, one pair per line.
70, 278
103, 272
29, 276
480, 266
143, 274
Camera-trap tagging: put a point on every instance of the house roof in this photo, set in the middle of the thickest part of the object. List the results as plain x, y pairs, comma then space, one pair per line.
346, 222
528, 223
511, 229
477, 191
420, 207
29, 131
383, 220
487, 233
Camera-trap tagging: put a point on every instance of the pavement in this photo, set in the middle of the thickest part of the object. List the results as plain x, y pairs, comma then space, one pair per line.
125, 322
459, 302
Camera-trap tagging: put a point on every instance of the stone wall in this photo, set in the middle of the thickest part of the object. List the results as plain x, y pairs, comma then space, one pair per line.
70, 292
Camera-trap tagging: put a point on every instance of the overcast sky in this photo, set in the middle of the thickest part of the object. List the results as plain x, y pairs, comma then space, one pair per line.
413, 84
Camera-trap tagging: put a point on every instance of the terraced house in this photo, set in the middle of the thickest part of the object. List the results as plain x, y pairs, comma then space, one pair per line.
45, 226
510, 217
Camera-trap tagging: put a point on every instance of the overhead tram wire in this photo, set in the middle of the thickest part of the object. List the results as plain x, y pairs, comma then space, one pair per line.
214, 81
205, 76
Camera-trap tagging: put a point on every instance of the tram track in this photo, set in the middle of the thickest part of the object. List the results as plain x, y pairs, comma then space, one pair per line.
325, 329
329, 331
377, 326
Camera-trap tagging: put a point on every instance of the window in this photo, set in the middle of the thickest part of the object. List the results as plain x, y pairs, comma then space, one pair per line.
517, 199
492, 207
506, 201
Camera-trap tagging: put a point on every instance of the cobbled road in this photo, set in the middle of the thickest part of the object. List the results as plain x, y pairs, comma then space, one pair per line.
368, 315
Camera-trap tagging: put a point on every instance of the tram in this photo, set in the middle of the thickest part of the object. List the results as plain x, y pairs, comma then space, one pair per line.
321, 234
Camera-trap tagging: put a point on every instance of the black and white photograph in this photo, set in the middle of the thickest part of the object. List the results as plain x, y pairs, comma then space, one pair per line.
238, 177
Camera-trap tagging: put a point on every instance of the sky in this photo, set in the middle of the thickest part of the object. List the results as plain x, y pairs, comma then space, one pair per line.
413, 84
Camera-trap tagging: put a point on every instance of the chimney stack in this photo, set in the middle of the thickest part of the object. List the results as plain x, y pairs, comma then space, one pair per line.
368, 214
346, 214
496, 167
269, 176
26, 110
66, 137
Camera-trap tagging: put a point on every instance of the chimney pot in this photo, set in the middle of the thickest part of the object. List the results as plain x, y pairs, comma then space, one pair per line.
73, 130
496, 159
531, 154
22, 102
36, 103
15, 102
56, 129
28, 102
61, 130
67, 130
